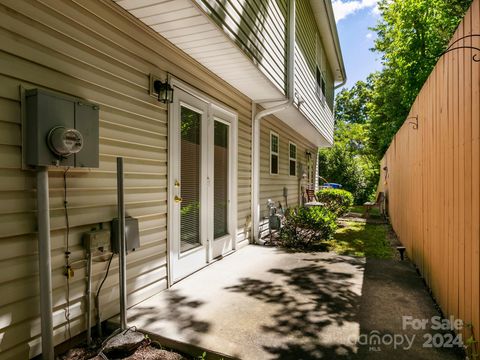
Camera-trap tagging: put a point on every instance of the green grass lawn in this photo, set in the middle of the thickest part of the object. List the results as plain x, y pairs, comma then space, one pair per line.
360, 209
361, 239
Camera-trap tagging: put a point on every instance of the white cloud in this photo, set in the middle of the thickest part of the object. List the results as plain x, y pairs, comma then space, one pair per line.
369, 36
344, 8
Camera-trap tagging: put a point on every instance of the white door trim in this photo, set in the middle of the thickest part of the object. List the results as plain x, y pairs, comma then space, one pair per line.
183, 264
231, 238
215, 110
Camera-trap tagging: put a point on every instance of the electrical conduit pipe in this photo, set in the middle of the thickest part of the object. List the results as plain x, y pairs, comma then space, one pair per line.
45, 264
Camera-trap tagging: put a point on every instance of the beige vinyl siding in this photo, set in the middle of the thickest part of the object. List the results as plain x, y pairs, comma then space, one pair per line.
258, 28
306, 58
271, 186
92, 50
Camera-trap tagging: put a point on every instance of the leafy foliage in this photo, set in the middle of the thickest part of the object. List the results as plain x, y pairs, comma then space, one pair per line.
411, 34
351, 104
351, 161
357, 173
304, 227
337, 201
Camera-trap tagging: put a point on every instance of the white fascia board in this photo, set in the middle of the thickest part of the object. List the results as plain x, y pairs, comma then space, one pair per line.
323, 12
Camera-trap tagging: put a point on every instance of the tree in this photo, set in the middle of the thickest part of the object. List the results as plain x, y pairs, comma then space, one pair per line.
411, 35
351, 161
337, 165
351, 104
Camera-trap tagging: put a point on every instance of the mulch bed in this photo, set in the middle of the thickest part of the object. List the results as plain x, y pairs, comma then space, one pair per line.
147, 351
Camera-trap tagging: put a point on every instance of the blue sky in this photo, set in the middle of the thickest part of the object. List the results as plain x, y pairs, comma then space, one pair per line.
354, 17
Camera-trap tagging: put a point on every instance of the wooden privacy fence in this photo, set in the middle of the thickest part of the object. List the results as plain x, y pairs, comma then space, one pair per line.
431, 175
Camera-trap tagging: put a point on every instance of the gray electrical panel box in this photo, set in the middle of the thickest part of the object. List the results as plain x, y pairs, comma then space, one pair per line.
132, 236
60, 130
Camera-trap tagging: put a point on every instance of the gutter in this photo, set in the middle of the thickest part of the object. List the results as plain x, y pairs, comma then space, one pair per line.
341, 84
334, 33
256, 122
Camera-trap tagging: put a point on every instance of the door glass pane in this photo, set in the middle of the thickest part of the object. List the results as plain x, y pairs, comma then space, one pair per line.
190, 179
220, 206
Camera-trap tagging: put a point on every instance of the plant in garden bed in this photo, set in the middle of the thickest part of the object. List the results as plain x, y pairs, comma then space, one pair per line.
305, 227
336, 200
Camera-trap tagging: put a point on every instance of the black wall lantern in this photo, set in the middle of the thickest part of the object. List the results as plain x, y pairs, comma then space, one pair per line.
308, 154
164, 91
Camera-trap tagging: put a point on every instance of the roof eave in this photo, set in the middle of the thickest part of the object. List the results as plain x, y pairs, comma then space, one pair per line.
325, 18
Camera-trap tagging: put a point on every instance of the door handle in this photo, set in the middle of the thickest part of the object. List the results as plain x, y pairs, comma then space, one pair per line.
178, 199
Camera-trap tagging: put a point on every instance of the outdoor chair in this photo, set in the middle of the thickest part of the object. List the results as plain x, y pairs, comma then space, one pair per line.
311, 199
311, 195
368, 206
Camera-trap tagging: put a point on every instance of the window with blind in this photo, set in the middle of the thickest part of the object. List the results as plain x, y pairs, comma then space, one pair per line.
274, 150
190, 179
220, 169
293, 159
321, 87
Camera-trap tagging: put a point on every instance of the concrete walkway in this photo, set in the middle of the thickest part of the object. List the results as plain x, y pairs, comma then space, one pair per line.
265, 303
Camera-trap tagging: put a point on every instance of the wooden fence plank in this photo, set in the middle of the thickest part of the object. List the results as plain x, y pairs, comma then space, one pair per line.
433, 179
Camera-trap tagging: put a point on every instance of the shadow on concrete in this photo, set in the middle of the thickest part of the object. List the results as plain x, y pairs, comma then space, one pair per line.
297, 306
391, 290
313, 303
178, 310
308, 299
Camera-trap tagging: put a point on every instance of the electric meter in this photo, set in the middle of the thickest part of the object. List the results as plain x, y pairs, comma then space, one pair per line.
64, 142
60, 130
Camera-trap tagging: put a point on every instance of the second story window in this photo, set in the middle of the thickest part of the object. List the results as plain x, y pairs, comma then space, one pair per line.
321, 85
274, 148
293, 159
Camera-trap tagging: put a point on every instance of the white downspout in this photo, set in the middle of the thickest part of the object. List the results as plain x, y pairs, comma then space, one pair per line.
257, 117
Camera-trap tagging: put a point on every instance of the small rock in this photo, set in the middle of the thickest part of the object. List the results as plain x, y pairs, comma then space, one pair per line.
123, 344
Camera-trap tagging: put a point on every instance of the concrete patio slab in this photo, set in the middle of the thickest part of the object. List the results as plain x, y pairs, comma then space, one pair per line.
266, 303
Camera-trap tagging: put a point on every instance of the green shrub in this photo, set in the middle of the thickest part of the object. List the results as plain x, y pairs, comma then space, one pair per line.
306, 226
336, 200
357, 173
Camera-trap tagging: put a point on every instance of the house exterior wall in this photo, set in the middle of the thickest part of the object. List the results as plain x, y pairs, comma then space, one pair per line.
309, 53
96, 51
259, 28
271, 186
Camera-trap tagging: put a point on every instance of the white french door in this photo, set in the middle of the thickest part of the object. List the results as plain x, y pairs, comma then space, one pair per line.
202, 183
